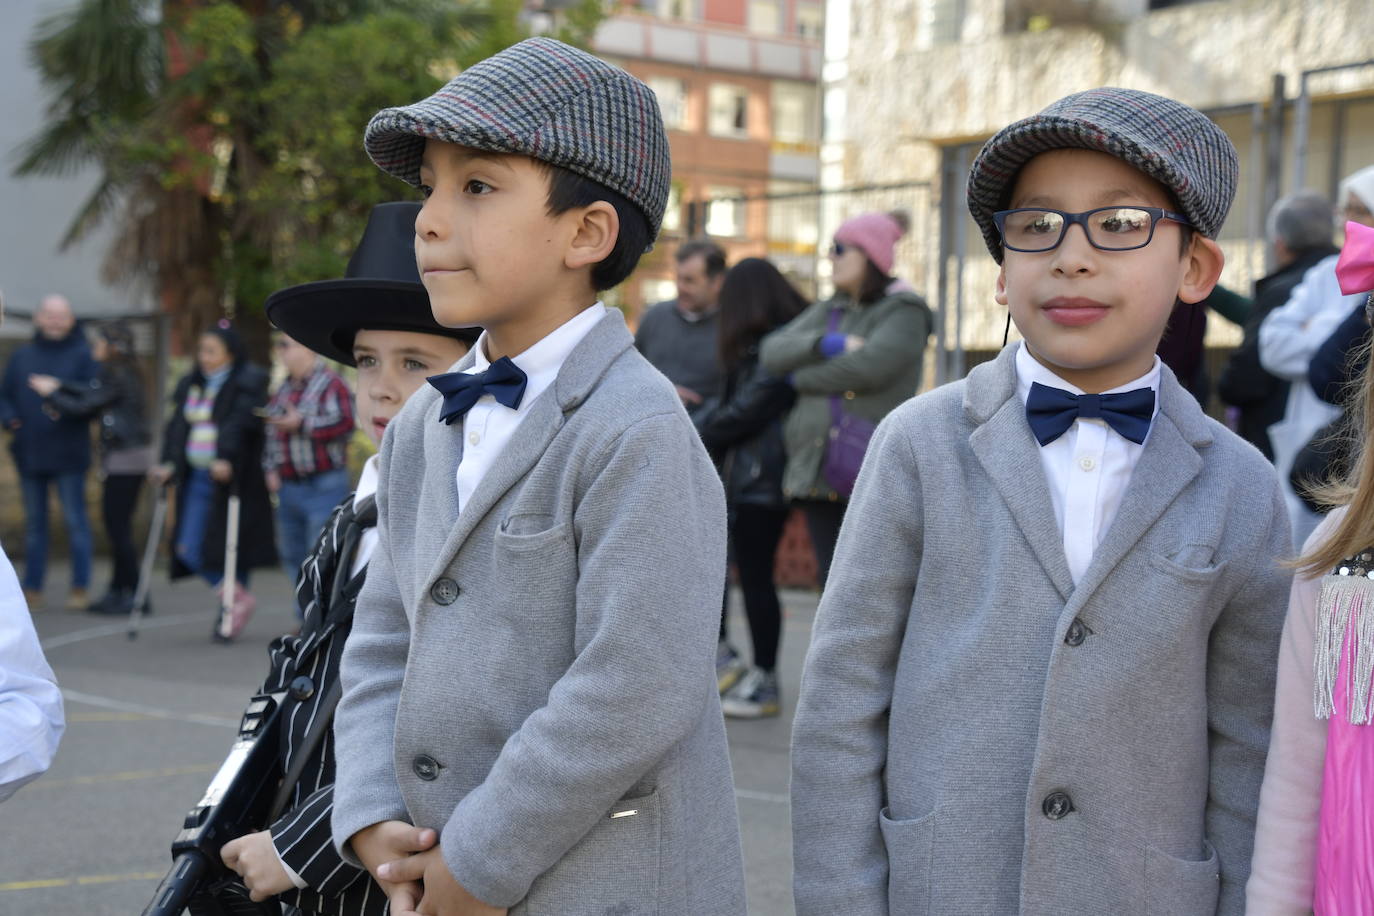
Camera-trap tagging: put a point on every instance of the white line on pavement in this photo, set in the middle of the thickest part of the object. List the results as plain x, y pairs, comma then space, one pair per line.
773, 797
110, 629
91, 699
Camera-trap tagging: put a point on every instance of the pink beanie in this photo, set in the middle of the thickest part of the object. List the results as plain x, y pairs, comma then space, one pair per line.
876, 235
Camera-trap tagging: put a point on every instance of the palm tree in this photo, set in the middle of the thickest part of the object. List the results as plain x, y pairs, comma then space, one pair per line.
226, 134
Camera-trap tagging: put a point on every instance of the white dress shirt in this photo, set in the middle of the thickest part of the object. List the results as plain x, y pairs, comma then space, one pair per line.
488, 426
1088, 468
31, 720
367, 486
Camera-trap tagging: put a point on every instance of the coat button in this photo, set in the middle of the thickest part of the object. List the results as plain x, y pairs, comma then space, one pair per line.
1076, 634
302, 688
1056, 805
425, 767
444, 591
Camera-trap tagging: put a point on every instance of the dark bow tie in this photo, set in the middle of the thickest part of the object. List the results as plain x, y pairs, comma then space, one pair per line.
1051, 411
503, 380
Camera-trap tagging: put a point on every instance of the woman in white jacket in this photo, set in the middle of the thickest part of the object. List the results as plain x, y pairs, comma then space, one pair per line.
1290, 336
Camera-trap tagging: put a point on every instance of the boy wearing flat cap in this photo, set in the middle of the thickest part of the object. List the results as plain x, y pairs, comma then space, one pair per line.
376, 318
1041, 674
531, 670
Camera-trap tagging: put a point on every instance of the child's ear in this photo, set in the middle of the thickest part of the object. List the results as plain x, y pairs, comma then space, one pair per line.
595, 232
1203, 262
1001, 294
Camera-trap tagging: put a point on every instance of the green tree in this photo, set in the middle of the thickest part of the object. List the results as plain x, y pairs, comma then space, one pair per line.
228, 135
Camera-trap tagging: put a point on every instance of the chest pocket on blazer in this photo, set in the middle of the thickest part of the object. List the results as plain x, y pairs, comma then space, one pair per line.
1192, 564
534, 565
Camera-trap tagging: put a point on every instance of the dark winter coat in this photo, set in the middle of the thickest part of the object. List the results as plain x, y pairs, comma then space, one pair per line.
47, 444
116, 395
1261, 397
239, 441
743, 432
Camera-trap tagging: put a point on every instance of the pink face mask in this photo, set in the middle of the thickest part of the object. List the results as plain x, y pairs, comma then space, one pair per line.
1355, 267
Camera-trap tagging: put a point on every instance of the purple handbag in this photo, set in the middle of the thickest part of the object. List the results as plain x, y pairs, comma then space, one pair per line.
849, 435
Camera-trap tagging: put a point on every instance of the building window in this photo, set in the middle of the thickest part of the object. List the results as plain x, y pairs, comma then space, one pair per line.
765, 17
942, 21
672, 100
729, 111
656, 290
677, 9
810, 21
672, 213
724, 212
793, 218
794, 113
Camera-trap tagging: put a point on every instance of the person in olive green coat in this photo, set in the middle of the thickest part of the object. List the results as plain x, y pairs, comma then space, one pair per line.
865, 346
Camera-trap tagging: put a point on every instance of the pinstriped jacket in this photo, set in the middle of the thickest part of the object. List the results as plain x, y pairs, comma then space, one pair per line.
302, 834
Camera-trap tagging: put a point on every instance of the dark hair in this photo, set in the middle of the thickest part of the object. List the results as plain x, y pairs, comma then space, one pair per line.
754, 299
230, 338
711, 253
569, 190
119, 340
875, 283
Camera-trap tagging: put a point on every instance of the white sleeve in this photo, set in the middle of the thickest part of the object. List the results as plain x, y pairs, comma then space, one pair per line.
1290, 335
31, 721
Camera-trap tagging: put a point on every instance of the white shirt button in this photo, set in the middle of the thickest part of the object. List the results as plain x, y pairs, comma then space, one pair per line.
474, 437
1087, 463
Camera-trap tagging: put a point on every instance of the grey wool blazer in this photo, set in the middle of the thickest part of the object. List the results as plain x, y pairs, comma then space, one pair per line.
977, 735
534, 677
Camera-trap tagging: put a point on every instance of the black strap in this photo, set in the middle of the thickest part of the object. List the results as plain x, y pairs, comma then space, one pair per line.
324, 719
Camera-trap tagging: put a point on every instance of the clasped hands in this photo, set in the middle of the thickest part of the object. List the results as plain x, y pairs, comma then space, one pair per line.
407, 863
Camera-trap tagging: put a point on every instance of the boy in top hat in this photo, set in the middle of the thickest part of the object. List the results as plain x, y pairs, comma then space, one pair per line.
377, 319
1041, 674
531, 672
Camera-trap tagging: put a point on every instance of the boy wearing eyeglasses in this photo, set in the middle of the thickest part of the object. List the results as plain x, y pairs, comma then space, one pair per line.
1041, 675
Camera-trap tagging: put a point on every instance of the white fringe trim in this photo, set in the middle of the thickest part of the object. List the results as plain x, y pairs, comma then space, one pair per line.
1344, 618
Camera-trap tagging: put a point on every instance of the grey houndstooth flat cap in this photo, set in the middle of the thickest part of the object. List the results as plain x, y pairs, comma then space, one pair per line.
1173, 143
547, 100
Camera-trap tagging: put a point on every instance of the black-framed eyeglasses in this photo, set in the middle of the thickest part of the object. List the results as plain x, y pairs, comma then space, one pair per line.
1037, 229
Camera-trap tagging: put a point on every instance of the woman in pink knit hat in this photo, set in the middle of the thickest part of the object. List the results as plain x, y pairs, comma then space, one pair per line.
852, 358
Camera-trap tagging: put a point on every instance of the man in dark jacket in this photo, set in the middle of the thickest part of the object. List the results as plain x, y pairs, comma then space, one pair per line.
1299, 228
50, 449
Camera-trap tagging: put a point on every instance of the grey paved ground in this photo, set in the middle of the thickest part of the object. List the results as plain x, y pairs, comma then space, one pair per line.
149, 722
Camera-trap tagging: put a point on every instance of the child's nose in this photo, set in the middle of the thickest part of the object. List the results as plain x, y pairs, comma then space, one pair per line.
1075, 253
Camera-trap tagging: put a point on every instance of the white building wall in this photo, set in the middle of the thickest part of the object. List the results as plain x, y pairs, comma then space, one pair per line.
35, 212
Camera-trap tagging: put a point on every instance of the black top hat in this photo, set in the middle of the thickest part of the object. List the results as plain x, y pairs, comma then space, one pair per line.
381, 291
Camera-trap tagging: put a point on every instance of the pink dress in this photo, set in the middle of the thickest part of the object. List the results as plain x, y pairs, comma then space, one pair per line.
1344, 665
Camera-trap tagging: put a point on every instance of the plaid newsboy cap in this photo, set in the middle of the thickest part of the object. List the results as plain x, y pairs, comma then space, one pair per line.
1173, 143
546, 100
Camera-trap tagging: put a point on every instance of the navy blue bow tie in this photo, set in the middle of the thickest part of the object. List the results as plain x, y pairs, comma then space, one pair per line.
1051, 411
503, 380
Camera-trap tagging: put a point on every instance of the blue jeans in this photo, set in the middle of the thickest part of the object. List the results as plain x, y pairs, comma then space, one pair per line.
71, 492
196, 508
303, 507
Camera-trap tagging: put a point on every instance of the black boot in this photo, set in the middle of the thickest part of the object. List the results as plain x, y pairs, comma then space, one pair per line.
117, 601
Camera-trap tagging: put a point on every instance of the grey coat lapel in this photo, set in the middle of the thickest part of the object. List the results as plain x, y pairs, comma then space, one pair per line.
583, 368
1008, 452
1168, 463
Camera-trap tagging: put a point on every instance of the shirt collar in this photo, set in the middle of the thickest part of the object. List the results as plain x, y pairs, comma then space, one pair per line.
541, 362
367, 481
1029, 369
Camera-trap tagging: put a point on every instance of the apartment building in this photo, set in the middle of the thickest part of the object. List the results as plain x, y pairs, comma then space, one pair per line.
913, 88
738, 82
